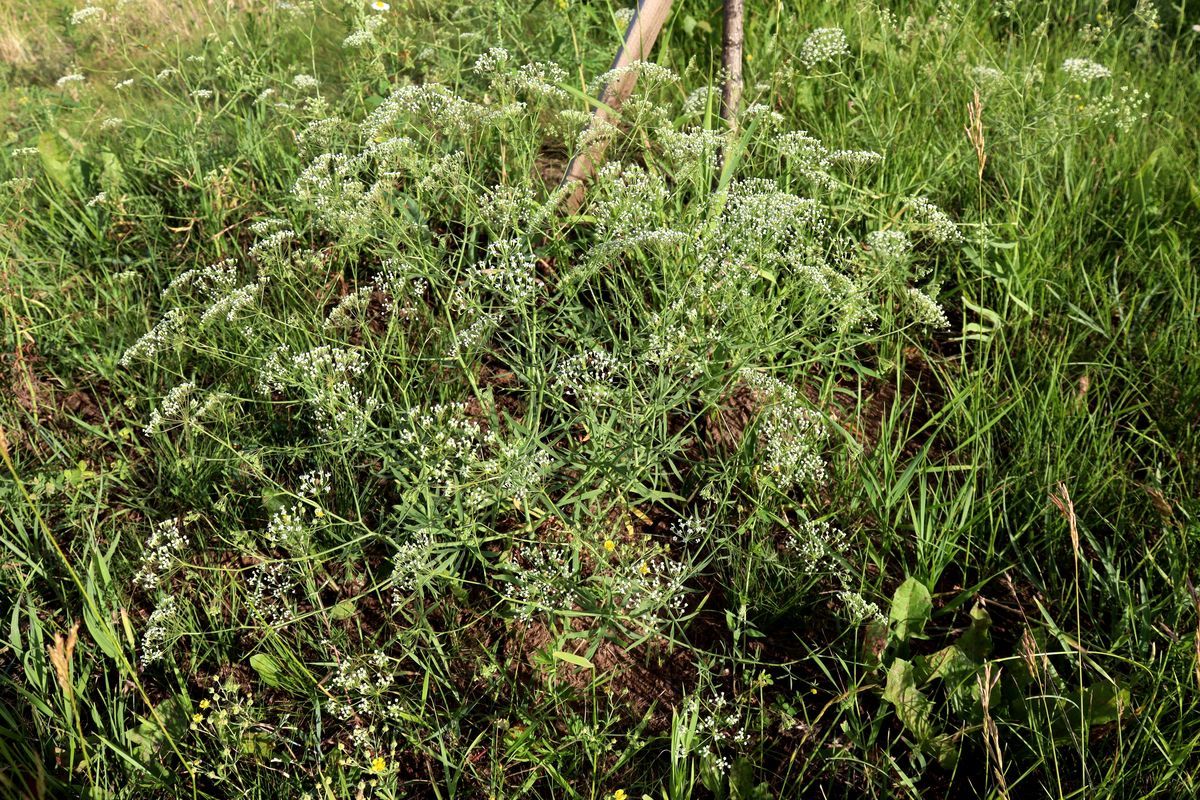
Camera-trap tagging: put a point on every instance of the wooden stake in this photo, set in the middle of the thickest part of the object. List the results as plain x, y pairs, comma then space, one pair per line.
731, 58
643, 30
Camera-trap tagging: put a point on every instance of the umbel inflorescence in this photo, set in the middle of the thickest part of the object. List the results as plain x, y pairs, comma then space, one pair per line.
373, 320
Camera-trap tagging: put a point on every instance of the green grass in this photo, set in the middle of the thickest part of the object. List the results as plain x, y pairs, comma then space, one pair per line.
691, 494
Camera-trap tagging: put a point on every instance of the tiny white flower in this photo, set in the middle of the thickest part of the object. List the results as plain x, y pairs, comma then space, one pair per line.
305, 82
82, 15
379, 5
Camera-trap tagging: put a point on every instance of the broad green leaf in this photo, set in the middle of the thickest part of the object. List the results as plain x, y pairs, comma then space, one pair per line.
55, 159
343, 610
112, 174
911, 607
976, 641
915, 712
268, 669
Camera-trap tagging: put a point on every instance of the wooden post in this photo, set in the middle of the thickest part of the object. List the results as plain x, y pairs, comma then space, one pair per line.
640, 36
731, 58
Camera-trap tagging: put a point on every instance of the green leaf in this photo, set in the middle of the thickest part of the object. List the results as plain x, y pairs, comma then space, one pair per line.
55, 159
742, 785
148, 740
112, 174
1098, 704
571, 658
976, 641
911, 608
343, 610
915, 712
268, 669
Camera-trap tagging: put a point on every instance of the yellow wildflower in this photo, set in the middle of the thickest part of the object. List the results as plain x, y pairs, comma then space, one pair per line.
610, 545
619, 794
378, 765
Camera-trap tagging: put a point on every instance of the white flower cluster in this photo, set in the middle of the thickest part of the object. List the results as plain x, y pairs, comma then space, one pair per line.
698, 101
398, 295
230, 306
541, 80
364, 684
292, 526
627, 199
163, 548
437, 106
159, 630
537, 79
986, 77
824, 45
270, 588
889, 246
859, 609
809, 156
760, 221
163, 335
182, 407
87, 14
689, 531
209, 282
332, 183
544, 582
305, 82
590, 377
1084, 70
791, 435
491, 61
856, 159
692, 147
719, 727
511, 208
508, 274
320, 135
925, 309
818, 545
520, 467
647, 73
445, 446
326, 376
66, 80
288, 528
651, 591
936, 224
767, 117
364, 36
413, 564
1124, 108
272, 246
474, 335
350, 311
